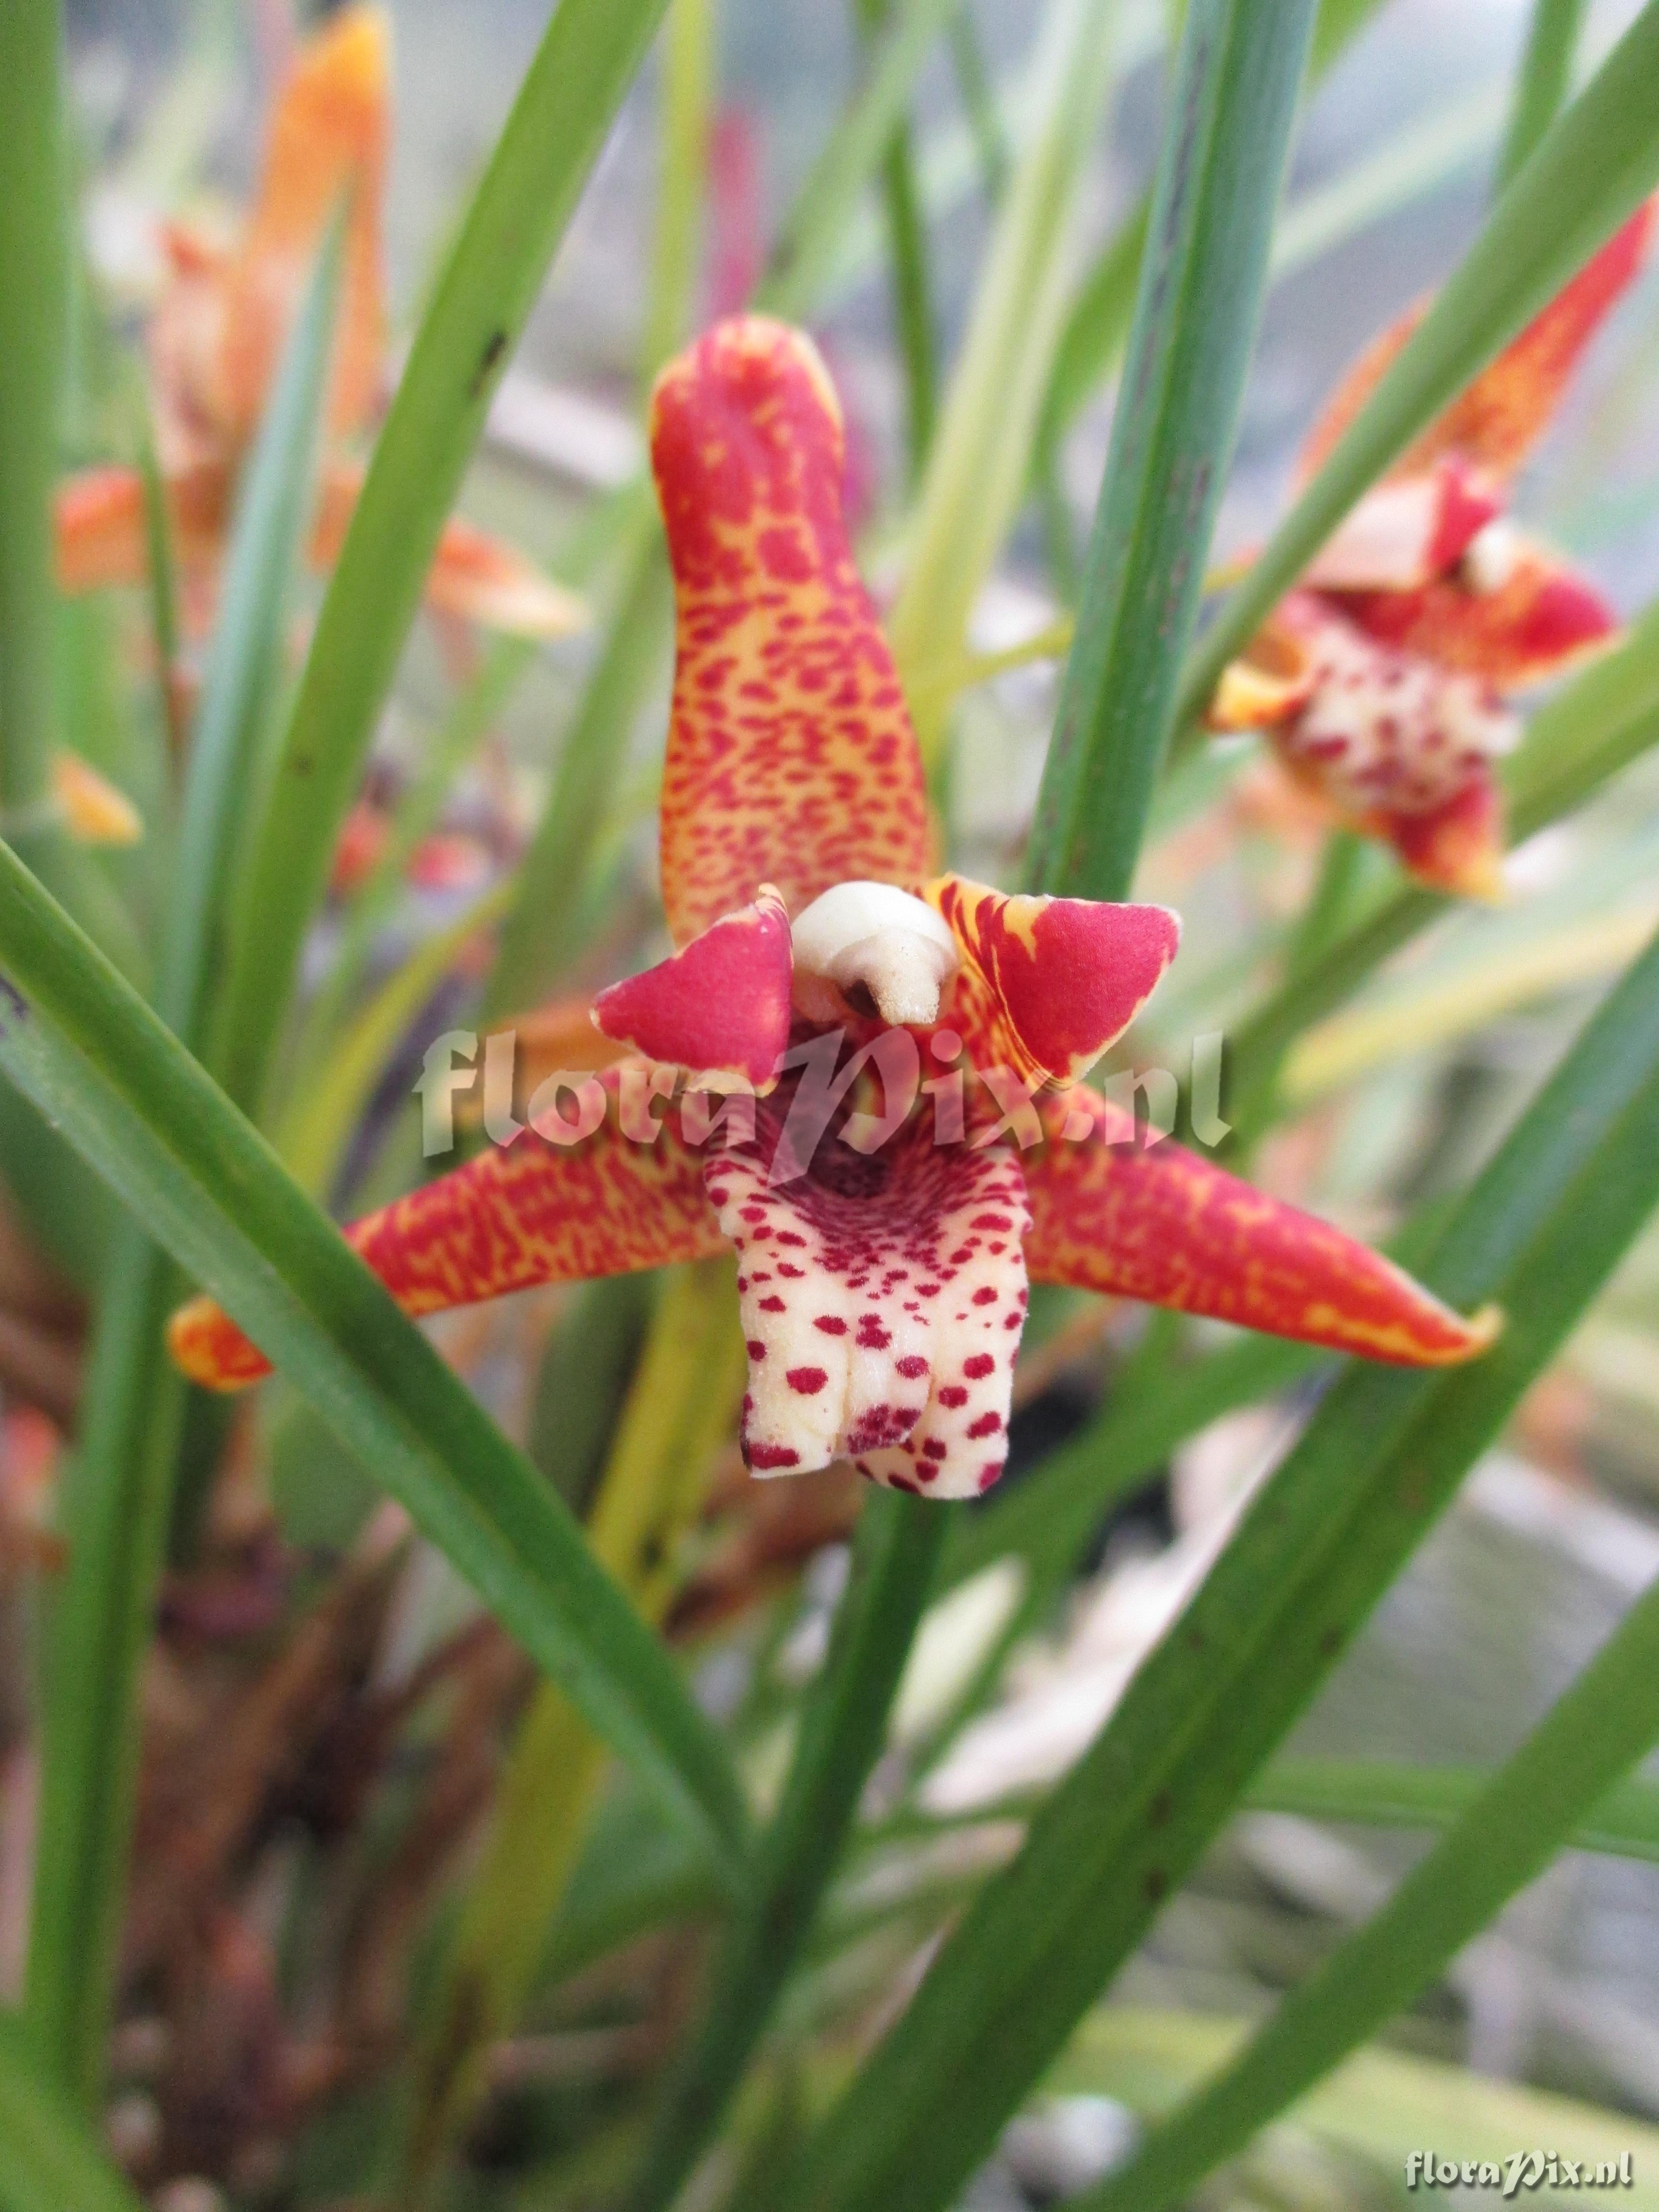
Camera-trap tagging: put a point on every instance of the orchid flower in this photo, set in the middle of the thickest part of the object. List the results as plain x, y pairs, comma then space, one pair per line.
1383, 677
218, 331
881, 1257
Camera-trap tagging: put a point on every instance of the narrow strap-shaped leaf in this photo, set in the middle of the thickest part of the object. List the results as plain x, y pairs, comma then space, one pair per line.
313, 1137
33, 340
1527, 1812
1097, 322
681, 1405
50, 2163
419, 810
33, 332
117, 1496
1623, 1823
1338, 24
1596, 164
1206, 263
87, 1049
1544, 80
585, 63
688, 70
979, 103
908, 281
842, 1729
1541, 1228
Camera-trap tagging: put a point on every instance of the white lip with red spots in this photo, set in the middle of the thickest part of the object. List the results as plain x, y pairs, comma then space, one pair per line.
883, 1300
1386, 729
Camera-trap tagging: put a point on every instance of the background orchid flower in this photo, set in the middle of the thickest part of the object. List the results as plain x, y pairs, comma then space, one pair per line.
217, 333
1383, 676
883, 1264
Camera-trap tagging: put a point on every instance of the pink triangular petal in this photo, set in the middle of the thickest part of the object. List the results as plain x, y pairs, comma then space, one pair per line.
723, 1003
1046, 984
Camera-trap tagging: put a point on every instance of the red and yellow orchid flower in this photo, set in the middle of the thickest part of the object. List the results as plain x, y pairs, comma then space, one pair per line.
883, 1258
217, 334
1383, 676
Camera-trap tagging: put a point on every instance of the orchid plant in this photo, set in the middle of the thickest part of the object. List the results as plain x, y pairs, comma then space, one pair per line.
444, 1776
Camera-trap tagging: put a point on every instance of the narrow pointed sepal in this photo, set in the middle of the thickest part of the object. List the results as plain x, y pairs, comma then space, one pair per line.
721, 1003
1046, 984
791, 758
1162, 1225
329, 135
1498, 420
519, 1216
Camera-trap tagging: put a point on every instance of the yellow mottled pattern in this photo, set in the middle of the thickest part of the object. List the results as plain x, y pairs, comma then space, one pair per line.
791, 758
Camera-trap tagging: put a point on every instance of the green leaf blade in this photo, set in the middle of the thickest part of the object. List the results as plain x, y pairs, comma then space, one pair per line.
842, 1730
1202, 284
117, 1498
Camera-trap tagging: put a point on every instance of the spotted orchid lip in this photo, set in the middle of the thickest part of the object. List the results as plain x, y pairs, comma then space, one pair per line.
883, 1298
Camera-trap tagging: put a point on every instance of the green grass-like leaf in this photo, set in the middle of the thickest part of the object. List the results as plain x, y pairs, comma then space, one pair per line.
803, 256
1543, 81
49, 2163
1525, 1814
1201, 280
975, 477
87, 1050
1103, 306
33, 330
842, 1729
1625, 1823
